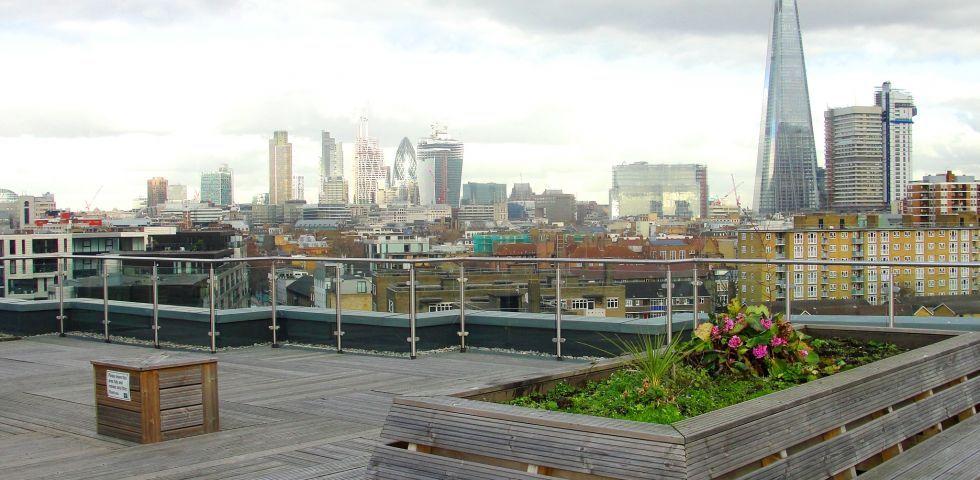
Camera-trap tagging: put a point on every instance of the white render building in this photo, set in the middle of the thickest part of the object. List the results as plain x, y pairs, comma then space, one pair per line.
898, 108
33, 279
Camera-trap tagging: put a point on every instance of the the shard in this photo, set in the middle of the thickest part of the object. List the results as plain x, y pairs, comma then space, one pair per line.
785, 177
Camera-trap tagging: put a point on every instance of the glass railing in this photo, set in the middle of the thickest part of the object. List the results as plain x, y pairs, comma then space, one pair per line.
559, 306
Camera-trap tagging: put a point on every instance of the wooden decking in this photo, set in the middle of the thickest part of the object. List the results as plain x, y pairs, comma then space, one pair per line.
953, 454
286, 414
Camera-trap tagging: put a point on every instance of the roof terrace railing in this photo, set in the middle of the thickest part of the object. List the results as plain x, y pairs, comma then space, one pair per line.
670, 266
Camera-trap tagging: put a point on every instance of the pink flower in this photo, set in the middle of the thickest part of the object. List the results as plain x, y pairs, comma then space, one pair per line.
715, 332
734, 342
729, 325
804, 353
760, 351
778, 341
766, 323
740, 317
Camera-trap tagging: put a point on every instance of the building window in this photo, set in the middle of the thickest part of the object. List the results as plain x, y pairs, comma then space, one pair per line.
361, 286
612, 302
629, 302
582, 304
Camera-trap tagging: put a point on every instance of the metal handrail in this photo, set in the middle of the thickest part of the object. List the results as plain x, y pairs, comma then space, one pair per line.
413, 264
588, 261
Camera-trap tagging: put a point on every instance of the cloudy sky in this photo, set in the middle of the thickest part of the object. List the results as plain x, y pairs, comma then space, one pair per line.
110, 93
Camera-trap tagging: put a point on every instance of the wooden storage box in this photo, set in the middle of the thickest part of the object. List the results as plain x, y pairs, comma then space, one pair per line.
157, 398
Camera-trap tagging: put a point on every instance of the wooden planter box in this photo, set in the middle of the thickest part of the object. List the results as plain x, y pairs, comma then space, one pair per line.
156, 398
833, 427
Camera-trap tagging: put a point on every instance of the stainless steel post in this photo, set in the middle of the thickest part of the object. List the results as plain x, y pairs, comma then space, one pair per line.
558, 338
272, 293
789, 294
214, 330
61, 295
412, 311
272, 301
891, 298
105, 302
669, 325
462, 309
338, 283
695, 295
155, 282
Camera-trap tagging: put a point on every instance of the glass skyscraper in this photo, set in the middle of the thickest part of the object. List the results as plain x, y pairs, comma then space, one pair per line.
484, 193
217, 186
675, 190
440, 168
785, 178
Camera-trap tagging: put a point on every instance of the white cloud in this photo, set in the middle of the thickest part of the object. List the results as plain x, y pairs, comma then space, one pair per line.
117, 95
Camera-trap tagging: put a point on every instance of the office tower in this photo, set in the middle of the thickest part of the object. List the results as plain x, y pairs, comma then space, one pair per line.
853, 152
334, 192
369, 172
521, 192
484, 193
217, 187
440, 163
785, 178
641, 188
556, 206
331, 161
898, 109
280, 168
176, 192
943, 194
156, 192
405, 173
405, 162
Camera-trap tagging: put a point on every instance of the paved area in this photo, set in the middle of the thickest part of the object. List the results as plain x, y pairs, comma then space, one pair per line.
286, 413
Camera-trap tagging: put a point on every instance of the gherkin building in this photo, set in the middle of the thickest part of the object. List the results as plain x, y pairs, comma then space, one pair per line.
785, 178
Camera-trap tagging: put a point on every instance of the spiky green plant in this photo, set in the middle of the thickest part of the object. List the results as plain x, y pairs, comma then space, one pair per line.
651, 355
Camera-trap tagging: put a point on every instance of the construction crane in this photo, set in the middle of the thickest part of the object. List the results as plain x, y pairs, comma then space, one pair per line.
734, 190
738, 199
88, 204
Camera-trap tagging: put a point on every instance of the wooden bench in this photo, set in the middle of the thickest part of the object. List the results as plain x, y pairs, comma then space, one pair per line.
953, 454
156, 398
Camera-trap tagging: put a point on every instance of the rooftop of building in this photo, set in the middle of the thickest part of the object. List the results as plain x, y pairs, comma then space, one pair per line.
289, 413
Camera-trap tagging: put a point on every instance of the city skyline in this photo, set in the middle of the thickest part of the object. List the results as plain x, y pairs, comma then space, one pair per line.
560, 130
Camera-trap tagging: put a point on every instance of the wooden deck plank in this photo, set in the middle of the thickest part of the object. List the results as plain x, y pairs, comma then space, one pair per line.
287, 414
954, 453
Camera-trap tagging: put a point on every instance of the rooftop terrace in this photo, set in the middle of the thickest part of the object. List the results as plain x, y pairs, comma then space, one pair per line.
288, 413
